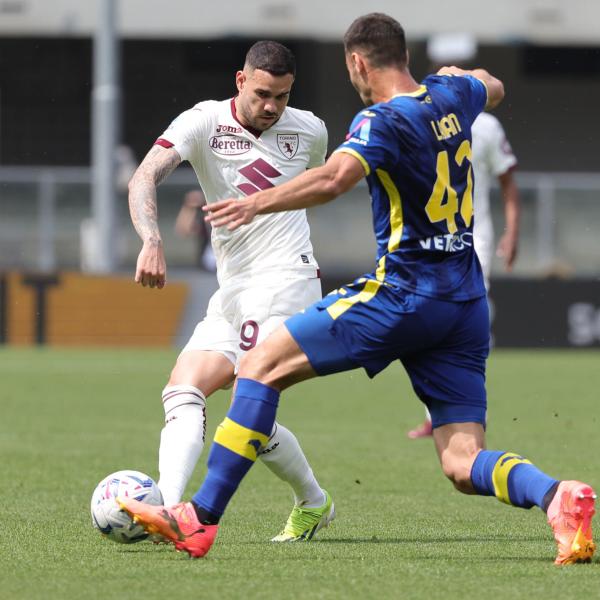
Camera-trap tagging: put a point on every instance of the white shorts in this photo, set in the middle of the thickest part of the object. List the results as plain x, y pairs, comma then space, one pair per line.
240, 315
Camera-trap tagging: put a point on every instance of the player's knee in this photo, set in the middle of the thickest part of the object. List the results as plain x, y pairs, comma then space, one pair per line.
262, 365
254, 364
180, 375
174, 377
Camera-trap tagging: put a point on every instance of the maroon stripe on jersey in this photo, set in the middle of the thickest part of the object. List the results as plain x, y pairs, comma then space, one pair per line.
164, 143
318, 273
255, 132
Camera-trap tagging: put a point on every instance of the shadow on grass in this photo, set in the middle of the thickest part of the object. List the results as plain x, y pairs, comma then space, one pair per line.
145, 548
426, 540
165, 552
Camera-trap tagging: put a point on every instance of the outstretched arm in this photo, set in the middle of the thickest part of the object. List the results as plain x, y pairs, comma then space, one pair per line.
160, 162
316, 186
508, 244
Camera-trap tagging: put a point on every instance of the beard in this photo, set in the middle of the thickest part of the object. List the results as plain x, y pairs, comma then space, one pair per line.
256, 122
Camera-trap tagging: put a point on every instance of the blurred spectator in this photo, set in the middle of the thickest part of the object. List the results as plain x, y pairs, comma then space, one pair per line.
190, 223
126, 164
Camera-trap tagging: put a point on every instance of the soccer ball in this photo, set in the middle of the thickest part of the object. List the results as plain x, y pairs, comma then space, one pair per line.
107, 515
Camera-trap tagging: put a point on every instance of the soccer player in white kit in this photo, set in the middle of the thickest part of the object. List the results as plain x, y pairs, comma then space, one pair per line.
266, 270
492, 158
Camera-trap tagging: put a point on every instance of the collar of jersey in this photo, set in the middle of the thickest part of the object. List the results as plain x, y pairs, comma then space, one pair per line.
422, 90
255, 132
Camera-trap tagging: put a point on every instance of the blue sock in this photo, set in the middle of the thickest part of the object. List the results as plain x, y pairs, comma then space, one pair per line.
511, 478
238, 439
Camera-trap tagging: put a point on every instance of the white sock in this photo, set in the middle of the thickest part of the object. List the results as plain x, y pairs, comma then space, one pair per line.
285, 458
181, 440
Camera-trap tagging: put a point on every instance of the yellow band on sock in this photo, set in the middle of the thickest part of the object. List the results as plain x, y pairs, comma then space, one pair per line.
501, 471
240, 439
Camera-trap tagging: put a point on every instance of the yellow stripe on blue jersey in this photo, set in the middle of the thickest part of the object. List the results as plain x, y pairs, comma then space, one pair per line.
343, 304
487, 91
396, 218
422, 89
239, 439
357, 155
396, 223
502, 469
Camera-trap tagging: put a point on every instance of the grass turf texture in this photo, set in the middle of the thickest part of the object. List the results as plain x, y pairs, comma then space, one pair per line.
71, 417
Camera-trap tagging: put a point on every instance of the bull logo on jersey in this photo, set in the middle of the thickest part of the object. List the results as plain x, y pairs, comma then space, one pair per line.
288, 144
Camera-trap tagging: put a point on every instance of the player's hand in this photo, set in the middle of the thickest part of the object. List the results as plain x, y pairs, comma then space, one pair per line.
231, 212
452, 70
507, 249
151, 269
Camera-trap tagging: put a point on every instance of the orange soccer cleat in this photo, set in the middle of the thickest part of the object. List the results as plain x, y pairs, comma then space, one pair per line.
177, 523
570, 516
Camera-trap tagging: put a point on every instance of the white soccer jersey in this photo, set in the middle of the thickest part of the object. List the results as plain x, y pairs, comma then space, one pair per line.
231, 160
492, 157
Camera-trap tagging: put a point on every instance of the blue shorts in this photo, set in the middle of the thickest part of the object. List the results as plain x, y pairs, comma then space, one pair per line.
443, 345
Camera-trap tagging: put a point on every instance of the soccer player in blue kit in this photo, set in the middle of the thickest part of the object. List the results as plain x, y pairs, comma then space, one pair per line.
424, 304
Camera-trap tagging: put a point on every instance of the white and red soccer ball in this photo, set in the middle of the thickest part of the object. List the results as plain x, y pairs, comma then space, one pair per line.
108, 517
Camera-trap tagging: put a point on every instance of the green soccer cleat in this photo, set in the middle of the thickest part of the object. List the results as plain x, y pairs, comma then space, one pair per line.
303, 523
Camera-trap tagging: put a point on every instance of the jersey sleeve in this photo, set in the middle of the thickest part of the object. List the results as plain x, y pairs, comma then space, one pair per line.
473, 93
371, 140
500, 156
185, 133
319, 147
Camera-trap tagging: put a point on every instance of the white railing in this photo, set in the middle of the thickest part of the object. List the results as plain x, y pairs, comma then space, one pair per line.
42, 210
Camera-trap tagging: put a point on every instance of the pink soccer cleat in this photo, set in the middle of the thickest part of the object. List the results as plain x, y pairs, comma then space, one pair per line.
570, 516
177, 523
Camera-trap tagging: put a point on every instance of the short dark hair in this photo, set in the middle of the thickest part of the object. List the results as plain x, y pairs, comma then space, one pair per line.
272, 57
380, 37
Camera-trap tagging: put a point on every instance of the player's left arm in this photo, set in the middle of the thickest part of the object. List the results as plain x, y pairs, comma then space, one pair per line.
339, 174
509, 242
495, 87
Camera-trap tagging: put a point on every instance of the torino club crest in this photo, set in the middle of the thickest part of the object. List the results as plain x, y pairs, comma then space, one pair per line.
288, 144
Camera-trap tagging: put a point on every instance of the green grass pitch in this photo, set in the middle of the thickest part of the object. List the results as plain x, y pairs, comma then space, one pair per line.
70, 417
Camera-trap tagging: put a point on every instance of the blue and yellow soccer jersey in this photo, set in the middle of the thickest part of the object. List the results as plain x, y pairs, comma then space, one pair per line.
416, 152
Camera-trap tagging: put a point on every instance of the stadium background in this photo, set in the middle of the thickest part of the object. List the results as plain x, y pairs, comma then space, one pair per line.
70, 415
169, 58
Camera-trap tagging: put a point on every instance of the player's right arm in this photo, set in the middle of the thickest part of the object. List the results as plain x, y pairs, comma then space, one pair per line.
315, 186
508, 244
158, 164
495, 88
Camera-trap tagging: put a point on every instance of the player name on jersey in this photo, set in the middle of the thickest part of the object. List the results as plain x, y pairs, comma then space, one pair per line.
446, 127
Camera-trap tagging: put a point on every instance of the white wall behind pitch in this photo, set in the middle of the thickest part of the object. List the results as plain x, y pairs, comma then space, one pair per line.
541, 21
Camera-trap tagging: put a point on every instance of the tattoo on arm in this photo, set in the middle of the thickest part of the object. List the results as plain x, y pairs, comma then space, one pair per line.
158, 164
